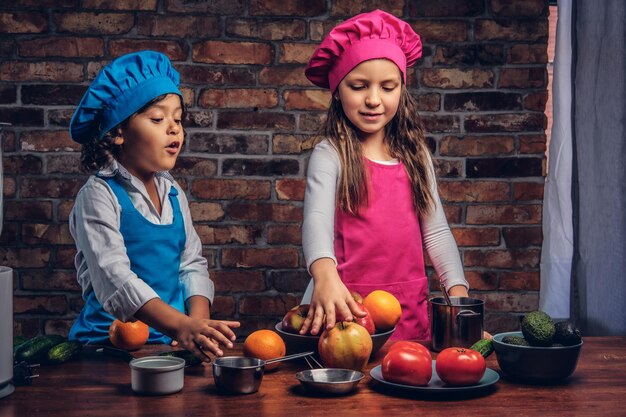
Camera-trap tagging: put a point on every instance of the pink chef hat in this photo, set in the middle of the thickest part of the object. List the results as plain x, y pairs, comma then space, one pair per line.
366, 36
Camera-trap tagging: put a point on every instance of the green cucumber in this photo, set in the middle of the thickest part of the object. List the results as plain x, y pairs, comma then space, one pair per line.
64, 351
18, 341
190, 358
484, 347
36, 349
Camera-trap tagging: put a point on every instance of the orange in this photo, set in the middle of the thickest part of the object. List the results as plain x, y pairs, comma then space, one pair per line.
129, 335
384, 308
264, 344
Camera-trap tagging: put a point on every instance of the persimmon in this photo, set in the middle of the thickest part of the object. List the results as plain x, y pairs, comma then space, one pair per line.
384, 308
264, 344
129, 335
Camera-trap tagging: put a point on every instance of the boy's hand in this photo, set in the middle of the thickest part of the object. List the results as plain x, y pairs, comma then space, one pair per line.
203, 335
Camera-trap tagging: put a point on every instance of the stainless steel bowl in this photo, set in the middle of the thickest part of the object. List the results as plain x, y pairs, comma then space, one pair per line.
330, 380
238, 374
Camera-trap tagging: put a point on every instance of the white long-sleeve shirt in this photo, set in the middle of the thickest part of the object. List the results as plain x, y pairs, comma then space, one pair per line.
101, 262
323, 174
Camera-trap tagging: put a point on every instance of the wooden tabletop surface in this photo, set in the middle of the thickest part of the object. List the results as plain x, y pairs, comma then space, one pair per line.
97, 385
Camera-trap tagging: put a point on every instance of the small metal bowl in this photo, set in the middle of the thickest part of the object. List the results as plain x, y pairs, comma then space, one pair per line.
238, 374
330, 380
157, 375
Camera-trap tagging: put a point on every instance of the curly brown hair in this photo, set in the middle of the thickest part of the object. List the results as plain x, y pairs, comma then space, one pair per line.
97, 153
404, 136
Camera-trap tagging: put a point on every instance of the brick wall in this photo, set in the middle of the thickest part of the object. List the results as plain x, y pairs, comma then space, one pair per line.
481, 88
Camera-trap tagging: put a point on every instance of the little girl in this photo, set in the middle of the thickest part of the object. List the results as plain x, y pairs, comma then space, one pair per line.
139, 256
371, 198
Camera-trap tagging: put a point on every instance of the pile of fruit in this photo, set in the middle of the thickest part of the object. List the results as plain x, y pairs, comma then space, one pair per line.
539, 329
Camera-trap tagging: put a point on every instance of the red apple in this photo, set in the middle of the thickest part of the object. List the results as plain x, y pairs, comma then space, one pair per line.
367, 321
357, 297
294, 319
347, 345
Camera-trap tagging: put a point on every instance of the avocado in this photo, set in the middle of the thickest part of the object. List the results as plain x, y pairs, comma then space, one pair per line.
538, 328
515, 340
566, 333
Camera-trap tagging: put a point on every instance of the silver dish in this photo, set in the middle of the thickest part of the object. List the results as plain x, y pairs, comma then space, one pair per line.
330, 380
157, 375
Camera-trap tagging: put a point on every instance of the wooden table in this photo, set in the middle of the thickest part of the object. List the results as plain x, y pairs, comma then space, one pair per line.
100, 386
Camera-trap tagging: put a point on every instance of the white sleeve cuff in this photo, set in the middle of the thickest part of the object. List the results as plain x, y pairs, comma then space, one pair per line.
197, 284
129, 298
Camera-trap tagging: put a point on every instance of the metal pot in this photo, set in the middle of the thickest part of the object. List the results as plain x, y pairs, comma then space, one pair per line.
157, 375
456, 325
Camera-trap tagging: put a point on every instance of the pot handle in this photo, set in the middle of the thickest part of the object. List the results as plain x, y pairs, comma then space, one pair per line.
466, 314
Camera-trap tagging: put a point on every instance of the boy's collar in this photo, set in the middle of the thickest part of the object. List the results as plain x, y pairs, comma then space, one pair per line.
115, 168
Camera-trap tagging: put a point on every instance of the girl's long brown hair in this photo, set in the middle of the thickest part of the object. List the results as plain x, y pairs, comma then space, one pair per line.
404, 136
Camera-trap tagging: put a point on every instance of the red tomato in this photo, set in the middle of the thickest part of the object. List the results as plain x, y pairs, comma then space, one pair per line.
407, 366
460, 366
406, 345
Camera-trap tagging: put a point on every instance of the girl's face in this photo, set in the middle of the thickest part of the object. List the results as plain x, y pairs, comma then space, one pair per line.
152, 140
370, 95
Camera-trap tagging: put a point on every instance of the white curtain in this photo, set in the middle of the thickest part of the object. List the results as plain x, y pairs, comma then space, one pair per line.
558, 240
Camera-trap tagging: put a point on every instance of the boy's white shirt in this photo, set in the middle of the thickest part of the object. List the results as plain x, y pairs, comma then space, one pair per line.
101, 262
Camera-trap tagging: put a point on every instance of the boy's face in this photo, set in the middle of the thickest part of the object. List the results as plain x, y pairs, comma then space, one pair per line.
370, 95
152, 140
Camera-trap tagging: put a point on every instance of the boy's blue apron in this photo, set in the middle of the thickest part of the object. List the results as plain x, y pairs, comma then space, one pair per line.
154, 252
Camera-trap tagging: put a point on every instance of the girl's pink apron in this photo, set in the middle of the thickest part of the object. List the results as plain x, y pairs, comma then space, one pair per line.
381, 248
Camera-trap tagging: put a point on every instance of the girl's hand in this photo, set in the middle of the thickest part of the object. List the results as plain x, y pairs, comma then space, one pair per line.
203, 335
331, 300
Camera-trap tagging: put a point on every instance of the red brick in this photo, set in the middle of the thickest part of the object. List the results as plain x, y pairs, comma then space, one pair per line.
290, 189
23, 22
44, 281
10, 187
274, 30
296, 53
193, 74
522, 237
22, 116
46, 234
292, 144
476, 145
50, 187
522, 78
28, 327
206, 211
145, 5
518, 259
76, 304
221, 7
428, 102
453, 213
518, 8
58, 326
38, 305
43, 3
7, 140
265, 212
63, 164
61, 46
536, 101
511, 122
41, 71
264, 305
476, 236
22, 164
481, 280
287, 7
285, 75
65, 257
448, 8
441, 124
238, 281
511, 30
528, 191
284, 234
218, 52
456, 78
25, 257
210, 235
178, 26
227, 143
260, 257
350, 8
199, 119
311, 121
63, 210
442, 31
238, 98
47, 141
474, 191
28, 210
505, 214
229, 189
529, 144
196, 166
10, 233
94, 23
528, 54
306, 99
511, 301
523, 281
247, 120
59, 117
174, 50
496, 322
223, 307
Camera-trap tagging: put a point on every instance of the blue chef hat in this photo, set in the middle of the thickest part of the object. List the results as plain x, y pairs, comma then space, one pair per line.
120, 89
